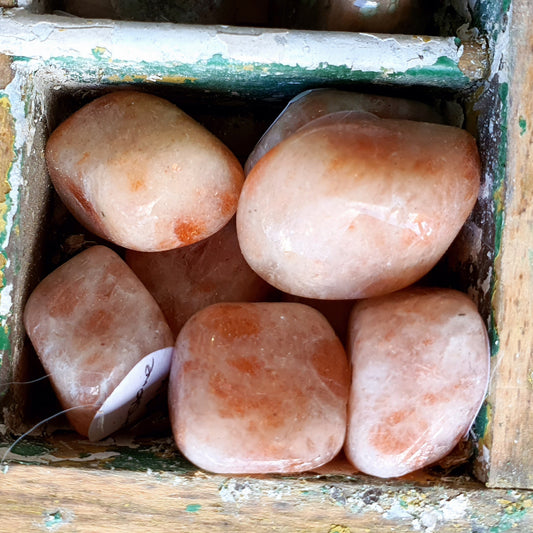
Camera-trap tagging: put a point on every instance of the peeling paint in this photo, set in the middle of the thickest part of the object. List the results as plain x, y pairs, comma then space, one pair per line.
245, 60
128, 41
492, 106
55, 519
339, 529
7, 156
100, 52
221, 74
413, 506
513, 513
522, 123
193, 508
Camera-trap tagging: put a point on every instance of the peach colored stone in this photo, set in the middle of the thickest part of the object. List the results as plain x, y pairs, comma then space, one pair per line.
354, 206
317, 103
420, 368
187, 279
337, 312
138, 171
257, 388
90, 321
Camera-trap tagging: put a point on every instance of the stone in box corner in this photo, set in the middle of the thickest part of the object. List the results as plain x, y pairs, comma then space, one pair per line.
258, 388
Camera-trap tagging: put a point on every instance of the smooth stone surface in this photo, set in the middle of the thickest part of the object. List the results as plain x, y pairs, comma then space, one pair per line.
90, 321
137, 171
420, 368
187, 279
353, 206
337, 312
317, 103
258, 388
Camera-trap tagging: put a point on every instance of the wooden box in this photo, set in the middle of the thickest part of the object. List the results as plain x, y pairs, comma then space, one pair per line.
235, 80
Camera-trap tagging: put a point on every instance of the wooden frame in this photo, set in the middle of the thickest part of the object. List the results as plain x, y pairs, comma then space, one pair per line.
87, 488
510, 435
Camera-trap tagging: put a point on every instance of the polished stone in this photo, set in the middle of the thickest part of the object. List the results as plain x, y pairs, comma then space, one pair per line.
90, 322
317, 103
354, 206
337, 312
258, 388
187, 279
137, 171
420, 368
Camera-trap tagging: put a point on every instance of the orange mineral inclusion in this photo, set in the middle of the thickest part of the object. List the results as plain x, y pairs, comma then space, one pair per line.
258, 387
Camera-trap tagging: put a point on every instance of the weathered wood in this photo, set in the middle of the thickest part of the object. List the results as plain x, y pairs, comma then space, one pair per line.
508, 441
47, 498
246, 61
474, 61
6, 73
7, 155
7, 135
84, 499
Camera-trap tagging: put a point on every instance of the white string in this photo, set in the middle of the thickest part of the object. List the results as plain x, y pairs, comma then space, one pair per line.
24, 435
7, 384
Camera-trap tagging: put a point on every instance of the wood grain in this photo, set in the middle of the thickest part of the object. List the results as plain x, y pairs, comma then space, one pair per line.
6, 73
511, 391
36, 498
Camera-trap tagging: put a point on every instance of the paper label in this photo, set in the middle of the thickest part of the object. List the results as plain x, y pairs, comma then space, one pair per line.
127, 403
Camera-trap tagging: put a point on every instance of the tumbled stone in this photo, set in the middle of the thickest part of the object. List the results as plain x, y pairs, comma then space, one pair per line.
337, 312
187, 279
137, 171
92, 322
257, 388
420, 368
317, 103
353, 206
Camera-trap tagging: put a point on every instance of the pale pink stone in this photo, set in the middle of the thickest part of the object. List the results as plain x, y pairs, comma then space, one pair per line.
190, 278
258, 387
352, 207
138, 171
337, 312
90, 321
317, 103
420, 367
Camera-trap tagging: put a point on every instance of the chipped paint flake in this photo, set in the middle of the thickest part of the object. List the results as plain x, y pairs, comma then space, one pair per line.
339, 529
55, 519
522, 123
204, 49
456, 508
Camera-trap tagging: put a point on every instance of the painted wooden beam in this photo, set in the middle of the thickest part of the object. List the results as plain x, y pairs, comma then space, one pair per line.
37, 498
506, 454
237, 59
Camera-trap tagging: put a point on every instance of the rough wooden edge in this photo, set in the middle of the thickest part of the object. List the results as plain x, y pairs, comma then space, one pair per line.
511, 394
474, 62
46, 498
7, 156
123, 51
6, 73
